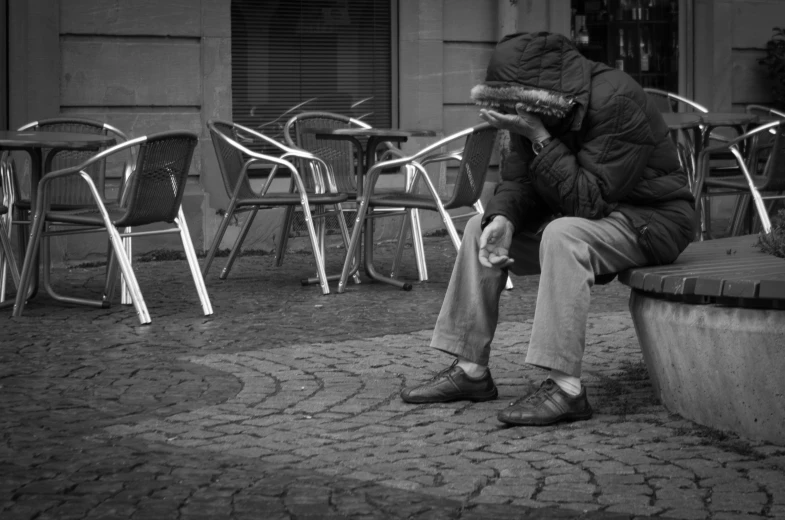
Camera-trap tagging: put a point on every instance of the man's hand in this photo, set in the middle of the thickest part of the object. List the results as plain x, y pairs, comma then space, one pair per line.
525, 123
495, 243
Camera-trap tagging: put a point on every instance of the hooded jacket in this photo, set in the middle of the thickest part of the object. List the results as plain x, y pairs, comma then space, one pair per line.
611, 152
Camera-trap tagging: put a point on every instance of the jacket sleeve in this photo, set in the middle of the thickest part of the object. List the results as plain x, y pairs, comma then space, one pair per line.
514, 196
617, 143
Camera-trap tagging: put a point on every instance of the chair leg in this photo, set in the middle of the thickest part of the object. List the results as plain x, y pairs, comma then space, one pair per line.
283, 240
222, 227
28, 267
112, 267
46, 279
354, 242
317, 253
402, 229
193, 263
238, 243
127, 270
417, 245
412, 217
8, 260
125, 294
339, 214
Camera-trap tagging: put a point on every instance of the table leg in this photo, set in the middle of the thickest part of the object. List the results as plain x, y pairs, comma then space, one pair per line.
36, 171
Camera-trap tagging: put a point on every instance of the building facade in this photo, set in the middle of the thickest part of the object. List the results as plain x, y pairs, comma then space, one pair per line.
146, 66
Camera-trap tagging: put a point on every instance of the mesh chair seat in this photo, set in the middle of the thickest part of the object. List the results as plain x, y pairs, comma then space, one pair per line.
398, 199
739, 182
278, 199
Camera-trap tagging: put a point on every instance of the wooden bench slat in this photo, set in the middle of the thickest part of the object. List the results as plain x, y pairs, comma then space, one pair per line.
729, 270
635, 277
657, 281
772, 289
746, 287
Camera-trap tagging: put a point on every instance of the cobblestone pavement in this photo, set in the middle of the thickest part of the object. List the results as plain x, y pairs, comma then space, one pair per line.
284, 404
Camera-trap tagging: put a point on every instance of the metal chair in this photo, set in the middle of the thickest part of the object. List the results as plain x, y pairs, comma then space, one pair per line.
764, 111
152, 194
344, 165
670, 102
470, 180
474, 160
234, 160
760, 144
769, 151
66, 193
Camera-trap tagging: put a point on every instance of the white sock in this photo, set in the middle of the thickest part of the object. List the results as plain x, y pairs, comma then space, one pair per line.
568, 383
472, 370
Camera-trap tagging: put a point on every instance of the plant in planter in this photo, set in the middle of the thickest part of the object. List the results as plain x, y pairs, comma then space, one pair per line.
775, 64
774, 243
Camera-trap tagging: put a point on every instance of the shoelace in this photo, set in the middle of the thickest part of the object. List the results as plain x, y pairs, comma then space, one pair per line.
443, 372
542, 393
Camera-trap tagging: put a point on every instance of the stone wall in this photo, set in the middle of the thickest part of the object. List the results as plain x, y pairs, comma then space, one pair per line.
729, 38
142, 66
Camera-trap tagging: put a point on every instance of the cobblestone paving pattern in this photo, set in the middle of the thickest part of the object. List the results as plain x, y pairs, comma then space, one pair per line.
284, 404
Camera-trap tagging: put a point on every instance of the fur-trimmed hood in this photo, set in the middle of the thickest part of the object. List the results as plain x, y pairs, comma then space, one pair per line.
543, 71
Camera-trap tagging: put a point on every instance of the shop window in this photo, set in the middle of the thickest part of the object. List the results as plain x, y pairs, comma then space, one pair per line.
296, 55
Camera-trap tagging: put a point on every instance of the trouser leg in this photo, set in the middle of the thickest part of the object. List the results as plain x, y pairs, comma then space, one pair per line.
572, 252
470, 311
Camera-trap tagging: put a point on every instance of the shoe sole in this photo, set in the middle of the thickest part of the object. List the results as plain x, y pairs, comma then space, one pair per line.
564, 418
473, 398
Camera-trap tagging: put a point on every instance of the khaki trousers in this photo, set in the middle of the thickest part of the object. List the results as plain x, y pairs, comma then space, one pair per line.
568, 255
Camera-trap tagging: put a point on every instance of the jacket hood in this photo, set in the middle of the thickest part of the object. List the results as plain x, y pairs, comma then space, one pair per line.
543, 71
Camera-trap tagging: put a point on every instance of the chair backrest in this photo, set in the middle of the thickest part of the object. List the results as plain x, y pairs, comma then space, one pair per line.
764, 111
71, 191
670, 102
339, 155
230, 159
154, 191
761, 143
476, 157
774, 169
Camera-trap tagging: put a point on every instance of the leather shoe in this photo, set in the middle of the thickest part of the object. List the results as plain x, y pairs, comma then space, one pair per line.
548, 405
452, 384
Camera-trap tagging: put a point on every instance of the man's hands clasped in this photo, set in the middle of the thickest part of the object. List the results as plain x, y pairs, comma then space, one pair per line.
527, 124
495, 243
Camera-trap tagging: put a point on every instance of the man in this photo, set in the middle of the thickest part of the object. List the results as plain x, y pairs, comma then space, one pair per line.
591, 186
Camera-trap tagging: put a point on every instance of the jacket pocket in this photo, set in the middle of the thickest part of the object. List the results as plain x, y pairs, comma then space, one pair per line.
661, 245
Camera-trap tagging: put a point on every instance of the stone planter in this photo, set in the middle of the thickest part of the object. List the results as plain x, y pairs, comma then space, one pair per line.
720, 366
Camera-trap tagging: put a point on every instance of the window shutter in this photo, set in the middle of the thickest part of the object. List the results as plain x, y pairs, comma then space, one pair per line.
295, 55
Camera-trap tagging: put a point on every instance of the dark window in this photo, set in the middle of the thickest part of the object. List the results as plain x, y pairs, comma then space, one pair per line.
4, 65
296, 55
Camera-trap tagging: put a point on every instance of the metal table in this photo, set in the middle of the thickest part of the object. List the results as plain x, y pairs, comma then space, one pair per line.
34, 142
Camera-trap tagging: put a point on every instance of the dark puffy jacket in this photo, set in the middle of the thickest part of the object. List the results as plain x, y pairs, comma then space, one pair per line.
614, 154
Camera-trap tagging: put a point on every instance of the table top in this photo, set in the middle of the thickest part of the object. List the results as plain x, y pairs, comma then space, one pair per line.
682, 120
768, 118
727, 118
370, 132
68, 140
726, 268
